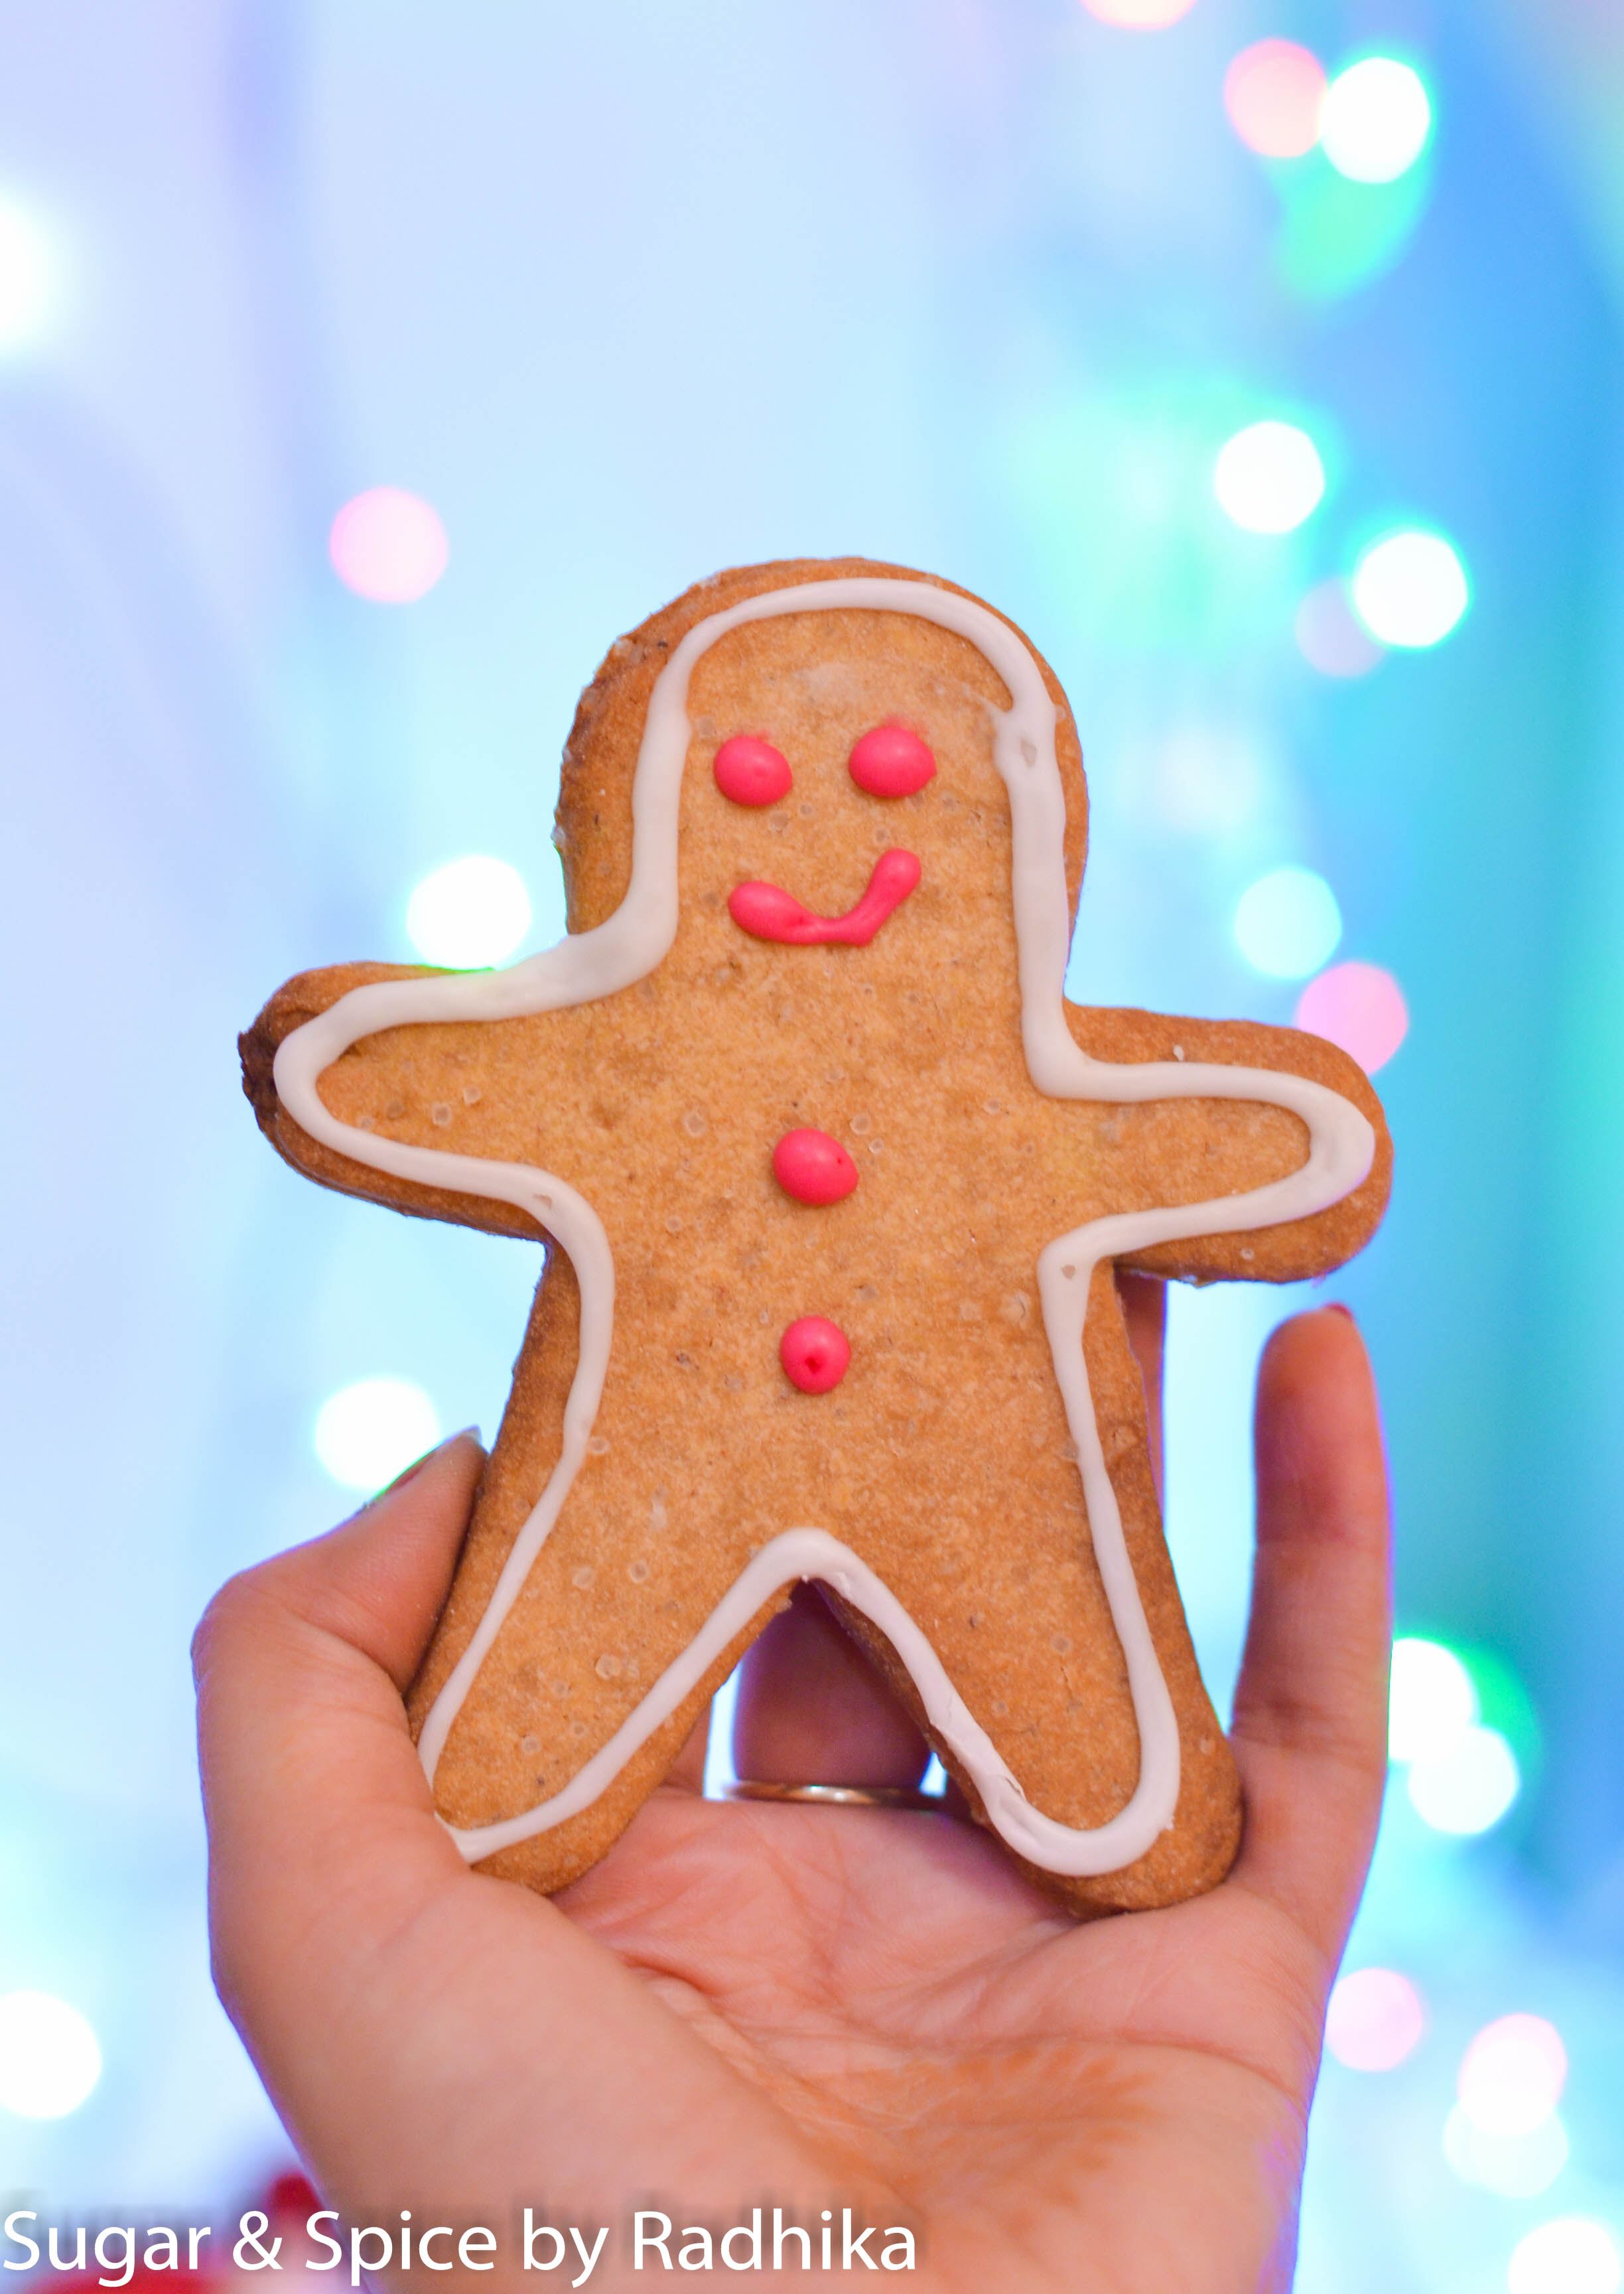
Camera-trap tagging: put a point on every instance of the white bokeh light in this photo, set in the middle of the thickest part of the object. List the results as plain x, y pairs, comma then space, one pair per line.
368, 1433
28, 272
49, 2058
1431, 1702
1410, 590
1207, 780
1469, 1788
471, 912
1375, 120
1269, 478
1287, 923
1511, 2166
1570, 2256
1511, 2076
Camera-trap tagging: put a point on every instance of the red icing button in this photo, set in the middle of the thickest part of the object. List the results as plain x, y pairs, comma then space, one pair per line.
892, 760
768, 912
814, 1168
814, 1353
751, 771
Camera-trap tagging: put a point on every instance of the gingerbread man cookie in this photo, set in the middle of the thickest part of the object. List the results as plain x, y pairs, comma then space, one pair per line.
833, 1181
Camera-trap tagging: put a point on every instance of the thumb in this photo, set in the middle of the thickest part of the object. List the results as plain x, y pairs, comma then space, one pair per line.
378, 1580
305, 1753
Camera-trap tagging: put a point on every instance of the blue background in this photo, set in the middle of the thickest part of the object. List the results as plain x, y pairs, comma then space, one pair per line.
630, 293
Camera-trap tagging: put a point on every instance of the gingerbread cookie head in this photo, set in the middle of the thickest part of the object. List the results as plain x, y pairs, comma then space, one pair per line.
838, 1180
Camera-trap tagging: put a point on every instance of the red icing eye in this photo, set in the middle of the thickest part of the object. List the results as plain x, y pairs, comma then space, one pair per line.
892, 760
751, 771
814, 1168
816, 1353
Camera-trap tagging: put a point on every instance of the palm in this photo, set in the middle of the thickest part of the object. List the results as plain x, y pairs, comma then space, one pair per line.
928, 2022
827, 2008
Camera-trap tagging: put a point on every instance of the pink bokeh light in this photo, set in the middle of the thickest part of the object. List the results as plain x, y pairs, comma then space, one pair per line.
1375, 2019
1331, 637
389, 546
1360, 1008
1138, 15
1273, 93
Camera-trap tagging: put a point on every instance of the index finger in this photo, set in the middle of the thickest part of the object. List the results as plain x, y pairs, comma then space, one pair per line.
1310, 1709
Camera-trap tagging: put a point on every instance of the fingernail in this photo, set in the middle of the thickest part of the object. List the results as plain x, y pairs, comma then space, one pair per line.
427, 1458
1336, 1306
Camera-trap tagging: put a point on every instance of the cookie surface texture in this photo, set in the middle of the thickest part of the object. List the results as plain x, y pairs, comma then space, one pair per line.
746, 1365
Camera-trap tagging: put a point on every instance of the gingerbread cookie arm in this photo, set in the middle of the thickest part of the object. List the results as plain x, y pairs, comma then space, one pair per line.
1266, 1133
307, 997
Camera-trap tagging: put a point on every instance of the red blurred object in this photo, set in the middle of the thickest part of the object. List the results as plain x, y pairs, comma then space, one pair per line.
288, 2197
89, 2282
292, 2193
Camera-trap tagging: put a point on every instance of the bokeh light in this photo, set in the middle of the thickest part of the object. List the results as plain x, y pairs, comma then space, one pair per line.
1469, 1788
470, 914
1273, 92
1410, 590
1512, 2165
1335, 236
1138, 15
1360, 1008
1503, 1703
388, 545
1288, 923
1375, 120
49, 2057
1511, 2076
1431, 1701
1207, 780
28, 279
1375, 2019
368, 1433
1330, 636
1570, 2256
1269, 478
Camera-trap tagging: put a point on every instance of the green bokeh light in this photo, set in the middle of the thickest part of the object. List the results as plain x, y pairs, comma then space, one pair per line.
1504, 1704
1336, 236
1116, 487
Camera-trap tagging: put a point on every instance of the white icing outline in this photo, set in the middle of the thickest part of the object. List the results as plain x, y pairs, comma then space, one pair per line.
625, 949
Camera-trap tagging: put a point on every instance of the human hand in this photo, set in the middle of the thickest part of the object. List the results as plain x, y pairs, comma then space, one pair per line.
819, 2007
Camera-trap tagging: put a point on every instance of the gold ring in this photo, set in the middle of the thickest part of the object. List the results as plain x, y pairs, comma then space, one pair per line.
838, 1795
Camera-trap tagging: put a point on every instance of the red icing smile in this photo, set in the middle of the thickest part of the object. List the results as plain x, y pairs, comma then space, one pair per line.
767, 913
